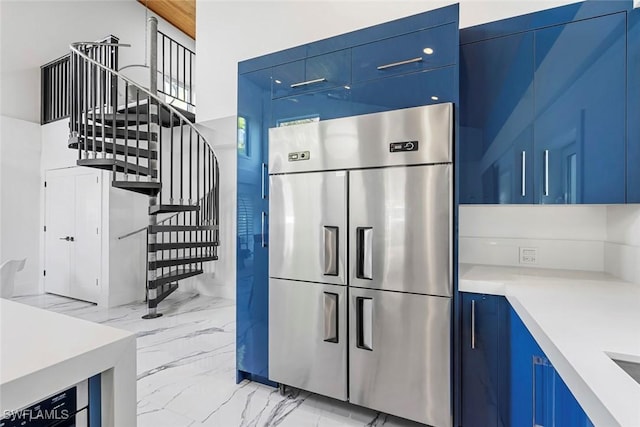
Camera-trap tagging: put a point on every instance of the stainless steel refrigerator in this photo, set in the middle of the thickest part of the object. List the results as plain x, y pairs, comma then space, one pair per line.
360, 287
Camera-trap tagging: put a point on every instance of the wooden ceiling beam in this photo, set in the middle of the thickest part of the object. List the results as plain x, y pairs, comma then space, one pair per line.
180, 13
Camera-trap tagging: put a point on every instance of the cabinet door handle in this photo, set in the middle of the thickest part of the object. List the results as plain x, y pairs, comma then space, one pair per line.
330, 309
263, 217
364, 323
399, 63
473, 324
263, 169
308, 82
364, 268
330, 245
523, 191
546, 172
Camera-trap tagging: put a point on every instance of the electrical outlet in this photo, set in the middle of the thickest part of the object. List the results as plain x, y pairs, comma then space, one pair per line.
528, 256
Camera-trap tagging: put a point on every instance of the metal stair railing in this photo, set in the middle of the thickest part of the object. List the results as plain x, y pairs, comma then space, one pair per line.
150, 147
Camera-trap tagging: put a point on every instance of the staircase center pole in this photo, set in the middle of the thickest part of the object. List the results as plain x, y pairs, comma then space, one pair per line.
154, 128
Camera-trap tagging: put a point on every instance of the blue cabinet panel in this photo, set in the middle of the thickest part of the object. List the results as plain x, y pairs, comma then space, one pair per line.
496, 120
323, 105
579, 130
427, 49
254, 110
312, 74
404, 91
633, 107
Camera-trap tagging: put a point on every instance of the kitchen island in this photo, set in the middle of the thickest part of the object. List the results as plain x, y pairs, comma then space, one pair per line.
44, 353
581, 320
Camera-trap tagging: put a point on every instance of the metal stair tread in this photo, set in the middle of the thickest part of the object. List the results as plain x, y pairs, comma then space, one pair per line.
169, 262
156, 209
122, 120
154, 247
121, 166
117, 133
169, 228
120, 148
165, 114
174, 276
142, 187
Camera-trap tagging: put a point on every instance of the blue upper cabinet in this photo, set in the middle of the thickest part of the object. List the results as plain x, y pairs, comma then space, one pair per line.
580, 85
496, 120
254, 112
312, 74
420, 50
633, 107
321, 105
543, 115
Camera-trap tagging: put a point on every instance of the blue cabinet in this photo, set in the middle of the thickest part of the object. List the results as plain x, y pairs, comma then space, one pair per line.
580, 85
543, 115
485, 343
420, 50
321, 105
312, 74
539, 396
496, 120
254, 113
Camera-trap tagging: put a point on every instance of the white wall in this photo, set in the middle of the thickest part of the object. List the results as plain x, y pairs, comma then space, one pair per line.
33, 33
20, 199
622, 247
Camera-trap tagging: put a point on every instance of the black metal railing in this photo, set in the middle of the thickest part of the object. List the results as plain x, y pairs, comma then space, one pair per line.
176, 67
55, 85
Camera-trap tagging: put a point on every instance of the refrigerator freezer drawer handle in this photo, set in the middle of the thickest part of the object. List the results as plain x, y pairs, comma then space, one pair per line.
330, 244
364, 323
330, 317
364, 248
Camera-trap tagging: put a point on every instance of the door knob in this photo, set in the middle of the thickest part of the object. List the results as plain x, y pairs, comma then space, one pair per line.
65, 238
71, 239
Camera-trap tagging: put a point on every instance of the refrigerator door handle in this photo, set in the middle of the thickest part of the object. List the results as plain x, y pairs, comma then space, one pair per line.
364, 323
364, 249
330, 244
330, 309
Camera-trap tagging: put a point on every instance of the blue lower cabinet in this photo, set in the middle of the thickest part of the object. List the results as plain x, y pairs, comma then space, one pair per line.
539, 396
482, 361
633, 106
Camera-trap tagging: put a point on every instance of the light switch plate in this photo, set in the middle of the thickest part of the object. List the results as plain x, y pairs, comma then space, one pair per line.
529, 256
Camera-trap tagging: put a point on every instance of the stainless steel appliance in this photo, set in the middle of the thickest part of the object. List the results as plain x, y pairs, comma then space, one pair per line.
360, 260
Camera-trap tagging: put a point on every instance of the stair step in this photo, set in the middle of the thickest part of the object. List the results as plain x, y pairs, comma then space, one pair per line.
165, 115
174, 276
153, 247
120, 148
121, 166
167, 228
123, 120
181, 261
118, 133
159, 209
142, 187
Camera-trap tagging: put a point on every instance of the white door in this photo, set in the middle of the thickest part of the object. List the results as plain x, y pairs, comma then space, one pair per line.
73, 200
59, 219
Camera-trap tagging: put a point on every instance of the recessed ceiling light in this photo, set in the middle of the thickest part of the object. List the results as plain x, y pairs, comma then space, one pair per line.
428, 50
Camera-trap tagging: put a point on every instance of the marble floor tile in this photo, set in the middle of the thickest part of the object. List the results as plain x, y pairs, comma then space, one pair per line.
186, 370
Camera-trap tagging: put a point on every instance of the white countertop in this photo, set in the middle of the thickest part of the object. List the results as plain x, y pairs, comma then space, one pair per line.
42, 353
578, 319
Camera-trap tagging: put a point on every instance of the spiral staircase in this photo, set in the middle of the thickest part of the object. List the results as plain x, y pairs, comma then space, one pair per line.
152, 148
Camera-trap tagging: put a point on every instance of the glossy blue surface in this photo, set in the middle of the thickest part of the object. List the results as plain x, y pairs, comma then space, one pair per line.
440, 42
633, 107
580, 86
544, 18
254, 105
95, 401
432, 18
496, 120
538, 393
334, 67
483, 373
543, 115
